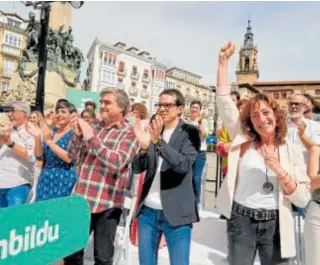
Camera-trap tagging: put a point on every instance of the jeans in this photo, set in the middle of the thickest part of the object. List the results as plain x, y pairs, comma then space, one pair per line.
247, 236
104, 227
14, 196
197, 173
151, 224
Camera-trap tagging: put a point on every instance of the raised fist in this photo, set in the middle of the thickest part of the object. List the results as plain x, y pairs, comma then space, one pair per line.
226, 52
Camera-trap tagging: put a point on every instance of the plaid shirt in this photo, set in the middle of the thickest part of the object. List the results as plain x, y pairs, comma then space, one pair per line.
105, 166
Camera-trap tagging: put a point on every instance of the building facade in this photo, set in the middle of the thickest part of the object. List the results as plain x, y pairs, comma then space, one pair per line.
13, 38
127, 68
189, 85
247, 75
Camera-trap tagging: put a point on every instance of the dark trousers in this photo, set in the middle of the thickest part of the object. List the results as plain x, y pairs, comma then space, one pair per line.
247, 236
104, 227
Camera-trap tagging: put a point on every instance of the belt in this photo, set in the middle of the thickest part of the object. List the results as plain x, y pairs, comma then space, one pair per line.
256, 214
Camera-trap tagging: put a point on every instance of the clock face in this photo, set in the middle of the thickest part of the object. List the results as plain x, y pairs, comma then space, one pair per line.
246, 52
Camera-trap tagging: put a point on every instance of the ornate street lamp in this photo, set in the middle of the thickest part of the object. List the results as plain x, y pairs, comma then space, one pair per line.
42, 60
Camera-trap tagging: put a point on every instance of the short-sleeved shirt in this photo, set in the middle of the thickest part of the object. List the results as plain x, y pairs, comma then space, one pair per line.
312, 131
15, 171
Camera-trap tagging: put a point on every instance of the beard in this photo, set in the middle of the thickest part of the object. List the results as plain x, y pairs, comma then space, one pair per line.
294, 115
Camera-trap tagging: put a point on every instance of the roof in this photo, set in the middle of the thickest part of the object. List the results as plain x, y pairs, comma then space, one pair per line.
250, 87
117, 49
187, 72
11, 14
286, 83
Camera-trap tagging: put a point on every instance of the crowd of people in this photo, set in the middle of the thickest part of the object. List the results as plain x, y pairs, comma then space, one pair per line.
270, 169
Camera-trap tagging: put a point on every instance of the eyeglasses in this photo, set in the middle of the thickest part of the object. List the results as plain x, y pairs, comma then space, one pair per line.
166, 106
298, 104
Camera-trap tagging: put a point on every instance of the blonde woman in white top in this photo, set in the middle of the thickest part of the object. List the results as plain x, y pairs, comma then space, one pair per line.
265, 176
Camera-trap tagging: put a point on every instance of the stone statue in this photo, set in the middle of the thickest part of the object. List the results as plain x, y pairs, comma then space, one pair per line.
33, 29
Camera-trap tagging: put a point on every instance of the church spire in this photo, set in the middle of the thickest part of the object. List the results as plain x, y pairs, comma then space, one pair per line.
248, 37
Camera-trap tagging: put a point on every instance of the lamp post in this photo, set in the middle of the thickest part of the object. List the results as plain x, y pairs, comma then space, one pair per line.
42, 58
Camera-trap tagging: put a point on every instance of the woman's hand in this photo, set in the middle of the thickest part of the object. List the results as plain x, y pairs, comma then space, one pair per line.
271, 159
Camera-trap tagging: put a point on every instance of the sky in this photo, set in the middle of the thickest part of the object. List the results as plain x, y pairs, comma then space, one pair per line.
189, 35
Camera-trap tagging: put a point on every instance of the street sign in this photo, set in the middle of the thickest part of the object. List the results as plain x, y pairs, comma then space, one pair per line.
79, 97
44, 232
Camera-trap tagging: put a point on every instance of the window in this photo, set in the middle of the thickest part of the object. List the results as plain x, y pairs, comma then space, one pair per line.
13, 23
133, 84
170, 84
8, 66
276, 95
317, 92
4, 86
108, 76
145, 73
145, 87
284, 95
12, 40
134, 70
121, 66
109, 59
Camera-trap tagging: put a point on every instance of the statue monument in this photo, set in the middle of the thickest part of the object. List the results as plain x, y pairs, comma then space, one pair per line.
63, 60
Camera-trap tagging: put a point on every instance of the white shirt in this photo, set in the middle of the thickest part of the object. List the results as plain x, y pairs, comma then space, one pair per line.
153, 199
312, 131
15, 171
206, 127
251, 177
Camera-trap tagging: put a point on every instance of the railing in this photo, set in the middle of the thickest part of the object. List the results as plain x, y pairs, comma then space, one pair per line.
122, 72
11, 49
135, 75
133, 90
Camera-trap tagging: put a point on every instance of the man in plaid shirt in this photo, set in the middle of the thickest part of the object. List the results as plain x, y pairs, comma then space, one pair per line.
104, 176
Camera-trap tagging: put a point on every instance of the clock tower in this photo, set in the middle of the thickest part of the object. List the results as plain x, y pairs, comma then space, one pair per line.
247, 68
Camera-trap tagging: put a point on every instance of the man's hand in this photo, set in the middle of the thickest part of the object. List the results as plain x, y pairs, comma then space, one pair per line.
155, 129
86, 129
226, 52
142, 134
301, 128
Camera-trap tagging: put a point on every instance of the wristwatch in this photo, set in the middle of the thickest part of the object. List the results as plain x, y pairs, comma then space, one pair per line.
159, 143
11, 145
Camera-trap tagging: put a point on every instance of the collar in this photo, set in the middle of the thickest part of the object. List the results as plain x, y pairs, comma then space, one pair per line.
116, 125
19, 128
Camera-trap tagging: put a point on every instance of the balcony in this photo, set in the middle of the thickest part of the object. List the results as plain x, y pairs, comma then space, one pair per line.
135, 75
133, 91
145, 93
122, 72
146, 79
7, 73
121, 86
11, 50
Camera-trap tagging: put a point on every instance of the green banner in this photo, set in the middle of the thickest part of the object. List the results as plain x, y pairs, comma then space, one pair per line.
79, 97
45, 232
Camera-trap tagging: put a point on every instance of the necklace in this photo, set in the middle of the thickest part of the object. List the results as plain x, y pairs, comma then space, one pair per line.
267, 186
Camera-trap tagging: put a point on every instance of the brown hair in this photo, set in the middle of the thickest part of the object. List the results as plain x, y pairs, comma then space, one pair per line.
142, 110
281, 123
242, 102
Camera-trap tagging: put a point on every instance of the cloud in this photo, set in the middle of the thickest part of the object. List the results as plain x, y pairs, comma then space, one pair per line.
189, 34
